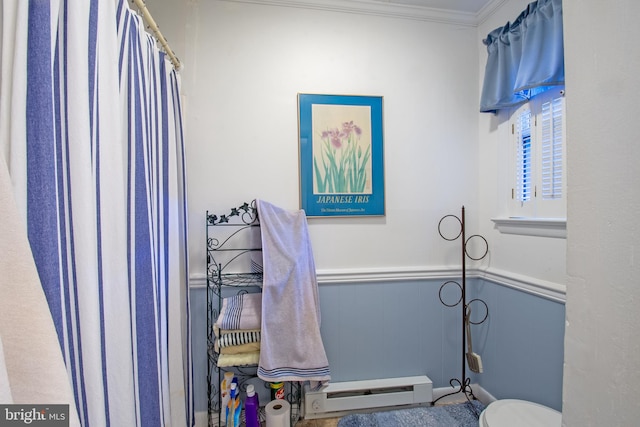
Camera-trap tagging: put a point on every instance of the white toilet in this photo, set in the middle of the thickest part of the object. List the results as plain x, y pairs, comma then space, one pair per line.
520, 413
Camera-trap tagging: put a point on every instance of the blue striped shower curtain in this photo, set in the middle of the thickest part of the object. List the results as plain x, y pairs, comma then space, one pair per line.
91, 135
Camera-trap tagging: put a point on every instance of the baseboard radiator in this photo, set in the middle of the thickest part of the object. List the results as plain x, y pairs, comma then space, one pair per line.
337, 399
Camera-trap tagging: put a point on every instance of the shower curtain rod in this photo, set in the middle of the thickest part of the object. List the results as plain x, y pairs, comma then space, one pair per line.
146, 15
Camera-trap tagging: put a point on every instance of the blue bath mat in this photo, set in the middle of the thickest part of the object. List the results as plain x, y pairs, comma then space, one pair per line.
458, 415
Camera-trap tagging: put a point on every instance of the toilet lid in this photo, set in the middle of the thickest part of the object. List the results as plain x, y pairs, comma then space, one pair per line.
514, 412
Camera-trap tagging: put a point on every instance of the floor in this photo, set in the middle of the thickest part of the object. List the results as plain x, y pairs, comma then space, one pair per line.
333, 422
323, 422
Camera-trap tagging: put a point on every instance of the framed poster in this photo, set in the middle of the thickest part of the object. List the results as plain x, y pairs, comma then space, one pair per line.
341, 155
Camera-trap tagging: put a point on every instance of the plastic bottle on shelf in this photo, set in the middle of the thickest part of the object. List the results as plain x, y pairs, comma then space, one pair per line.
252, 408
225, 389
234, 407
277, 390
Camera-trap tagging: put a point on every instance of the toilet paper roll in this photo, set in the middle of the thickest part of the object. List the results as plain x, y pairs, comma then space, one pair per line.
278, 413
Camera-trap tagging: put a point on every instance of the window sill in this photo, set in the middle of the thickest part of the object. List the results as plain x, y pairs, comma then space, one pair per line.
541, 227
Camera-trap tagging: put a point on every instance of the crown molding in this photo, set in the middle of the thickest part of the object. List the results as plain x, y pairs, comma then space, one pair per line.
488, 10
376, 8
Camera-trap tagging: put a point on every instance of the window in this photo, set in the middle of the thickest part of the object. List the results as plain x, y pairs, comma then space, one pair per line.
534, 179
538, 181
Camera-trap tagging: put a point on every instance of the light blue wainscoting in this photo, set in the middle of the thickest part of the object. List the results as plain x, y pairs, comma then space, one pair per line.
199, 346
521, 344
390, 329
369, 330
385, 329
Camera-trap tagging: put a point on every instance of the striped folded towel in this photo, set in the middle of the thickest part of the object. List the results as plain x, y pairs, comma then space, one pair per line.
243, 311
237, 337
236, 340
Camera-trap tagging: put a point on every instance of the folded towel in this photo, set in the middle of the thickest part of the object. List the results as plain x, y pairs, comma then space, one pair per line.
226, 360
242, 311
291, 347
237, 349
226, 338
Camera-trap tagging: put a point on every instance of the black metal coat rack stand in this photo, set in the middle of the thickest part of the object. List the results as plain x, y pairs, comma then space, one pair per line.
463, 384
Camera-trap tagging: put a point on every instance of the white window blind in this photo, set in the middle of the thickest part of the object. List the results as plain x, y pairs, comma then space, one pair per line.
552, 149
523, 188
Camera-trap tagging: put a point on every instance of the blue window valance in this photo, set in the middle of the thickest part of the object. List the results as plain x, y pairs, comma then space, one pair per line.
525, 57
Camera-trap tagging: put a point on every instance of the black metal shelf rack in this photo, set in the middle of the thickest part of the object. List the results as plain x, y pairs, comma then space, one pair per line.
233, 240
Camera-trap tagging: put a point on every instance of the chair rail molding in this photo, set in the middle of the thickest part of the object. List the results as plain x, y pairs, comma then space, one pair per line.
550, 290
542, 288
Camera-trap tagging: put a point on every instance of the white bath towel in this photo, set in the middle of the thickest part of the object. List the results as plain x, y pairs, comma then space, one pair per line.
291, 348
242, 311
242, 359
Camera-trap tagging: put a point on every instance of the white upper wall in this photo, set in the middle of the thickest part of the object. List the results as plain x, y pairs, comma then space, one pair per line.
244, 65
602, 367
539, 258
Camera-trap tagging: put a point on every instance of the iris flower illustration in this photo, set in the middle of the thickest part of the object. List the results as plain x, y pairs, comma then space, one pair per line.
341, 166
